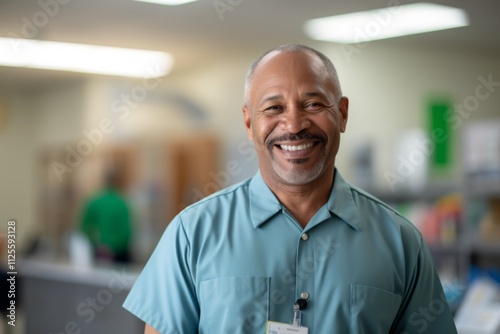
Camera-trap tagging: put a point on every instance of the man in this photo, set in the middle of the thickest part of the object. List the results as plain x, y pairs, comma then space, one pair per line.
106, 221
240, 260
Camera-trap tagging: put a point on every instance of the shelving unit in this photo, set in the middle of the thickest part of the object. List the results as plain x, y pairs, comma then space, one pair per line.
485, 251
479, 189
469, 248
481, 162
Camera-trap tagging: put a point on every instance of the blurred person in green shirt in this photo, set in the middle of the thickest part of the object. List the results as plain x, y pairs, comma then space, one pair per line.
106, 221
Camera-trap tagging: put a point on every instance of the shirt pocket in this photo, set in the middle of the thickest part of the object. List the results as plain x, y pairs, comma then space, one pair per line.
234, 305
373, 310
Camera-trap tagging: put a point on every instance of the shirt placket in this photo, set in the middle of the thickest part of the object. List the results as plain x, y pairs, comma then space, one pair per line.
305, 268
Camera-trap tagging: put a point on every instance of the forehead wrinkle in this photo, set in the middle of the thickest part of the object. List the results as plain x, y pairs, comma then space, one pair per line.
313, 94
273, 97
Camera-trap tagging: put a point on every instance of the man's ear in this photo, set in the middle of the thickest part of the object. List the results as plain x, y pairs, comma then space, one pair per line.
344, 112
247, 119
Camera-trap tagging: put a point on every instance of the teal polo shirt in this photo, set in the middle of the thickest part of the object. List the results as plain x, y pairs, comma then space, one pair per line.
238, 258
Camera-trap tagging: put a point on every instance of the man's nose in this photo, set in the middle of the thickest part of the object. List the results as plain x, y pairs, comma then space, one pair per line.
295, 120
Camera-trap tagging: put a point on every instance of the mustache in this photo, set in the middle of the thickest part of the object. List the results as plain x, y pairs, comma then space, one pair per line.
295, 137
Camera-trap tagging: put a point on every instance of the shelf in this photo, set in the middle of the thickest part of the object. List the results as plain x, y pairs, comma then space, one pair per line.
444, 249
429, 193
489, 247
485, 183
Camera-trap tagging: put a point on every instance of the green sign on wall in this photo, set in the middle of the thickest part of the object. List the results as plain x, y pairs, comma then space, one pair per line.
439, 132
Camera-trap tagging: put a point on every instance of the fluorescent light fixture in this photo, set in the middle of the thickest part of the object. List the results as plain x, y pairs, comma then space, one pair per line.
84, 58
168, 2
387, 22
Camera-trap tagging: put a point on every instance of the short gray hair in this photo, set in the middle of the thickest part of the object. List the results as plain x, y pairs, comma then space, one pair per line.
330, 68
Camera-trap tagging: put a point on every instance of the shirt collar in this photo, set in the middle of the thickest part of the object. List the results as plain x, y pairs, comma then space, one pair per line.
264, 204
342, 204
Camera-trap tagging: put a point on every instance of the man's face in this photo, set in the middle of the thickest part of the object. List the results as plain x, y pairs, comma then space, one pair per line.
294, 118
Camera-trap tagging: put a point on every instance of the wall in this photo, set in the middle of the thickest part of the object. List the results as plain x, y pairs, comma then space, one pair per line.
17, 178
388, 90
37, 120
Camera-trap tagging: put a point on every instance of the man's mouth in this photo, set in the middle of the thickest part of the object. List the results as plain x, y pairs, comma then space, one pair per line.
303, 141
300, 147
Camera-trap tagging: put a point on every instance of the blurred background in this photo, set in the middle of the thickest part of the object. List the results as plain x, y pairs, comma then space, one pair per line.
82, 151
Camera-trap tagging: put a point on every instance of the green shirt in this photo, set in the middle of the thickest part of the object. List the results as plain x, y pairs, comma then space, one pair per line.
106, 221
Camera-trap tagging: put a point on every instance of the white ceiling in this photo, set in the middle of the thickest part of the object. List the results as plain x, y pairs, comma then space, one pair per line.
196, 34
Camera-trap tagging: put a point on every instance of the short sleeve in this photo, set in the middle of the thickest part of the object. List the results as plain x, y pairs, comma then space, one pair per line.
425, 308
163, 295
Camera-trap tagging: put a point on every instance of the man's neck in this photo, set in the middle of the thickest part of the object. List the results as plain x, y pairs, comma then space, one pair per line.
303, 201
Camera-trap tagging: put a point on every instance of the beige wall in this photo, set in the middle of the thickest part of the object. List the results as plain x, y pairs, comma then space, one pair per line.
36, 120
389, 89
17, 179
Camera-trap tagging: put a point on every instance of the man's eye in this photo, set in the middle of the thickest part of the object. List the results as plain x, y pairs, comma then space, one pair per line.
273, 109
313, 106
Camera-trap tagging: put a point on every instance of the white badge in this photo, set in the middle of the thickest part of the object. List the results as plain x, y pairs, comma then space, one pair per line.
282, 328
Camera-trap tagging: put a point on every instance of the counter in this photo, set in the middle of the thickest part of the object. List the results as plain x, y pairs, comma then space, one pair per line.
58, 298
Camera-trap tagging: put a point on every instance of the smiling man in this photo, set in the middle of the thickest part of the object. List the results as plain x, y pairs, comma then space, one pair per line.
294, 112
295, 248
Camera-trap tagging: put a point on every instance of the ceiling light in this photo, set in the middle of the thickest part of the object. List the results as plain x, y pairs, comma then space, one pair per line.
84, 58
168, 2
384, 23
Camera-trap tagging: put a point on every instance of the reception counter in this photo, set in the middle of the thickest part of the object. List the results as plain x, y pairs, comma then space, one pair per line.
60, 298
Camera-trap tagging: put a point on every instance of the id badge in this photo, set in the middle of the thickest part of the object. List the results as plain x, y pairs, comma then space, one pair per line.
273, 327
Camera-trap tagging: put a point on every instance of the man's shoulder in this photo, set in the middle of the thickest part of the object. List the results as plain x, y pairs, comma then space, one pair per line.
369, 197
229, 196
214, 214
366, 199
381, 218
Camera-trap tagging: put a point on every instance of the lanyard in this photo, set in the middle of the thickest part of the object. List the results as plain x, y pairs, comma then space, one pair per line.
299, 305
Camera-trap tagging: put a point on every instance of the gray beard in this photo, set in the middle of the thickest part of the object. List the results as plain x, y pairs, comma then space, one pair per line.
298, 177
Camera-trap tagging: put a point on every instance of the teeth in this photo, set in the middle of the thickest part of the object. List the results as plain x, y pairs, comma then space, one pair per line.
296, 147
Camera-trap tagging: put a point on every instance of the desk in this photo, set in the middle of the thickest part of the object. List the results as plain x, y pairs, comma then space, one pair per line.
62, 299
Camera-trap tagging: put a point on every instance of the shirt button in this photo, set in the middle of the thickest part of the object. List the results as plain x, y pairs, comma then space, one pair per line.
304, 295
304, 236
